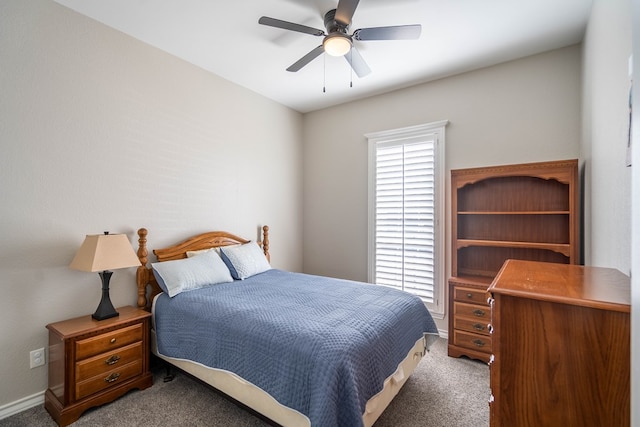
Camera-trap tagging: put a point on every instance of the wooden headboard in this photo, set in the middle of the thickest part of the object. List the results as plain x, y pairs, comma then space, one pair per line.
148, 287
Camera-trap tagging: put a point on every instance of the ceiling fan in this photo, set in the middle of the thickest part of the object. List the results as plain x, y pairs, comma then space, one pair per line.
337, 40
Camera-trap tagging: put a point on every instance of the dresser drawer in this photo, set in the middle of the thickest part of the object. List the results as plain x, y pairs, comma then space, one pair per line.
108, 341
108, 361
470, 295
480, 313
107, 379
471, 325
472, 341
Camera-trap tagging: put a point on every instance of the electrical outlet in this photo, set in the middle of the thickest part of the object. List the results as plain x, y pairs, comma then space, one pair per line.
36, 358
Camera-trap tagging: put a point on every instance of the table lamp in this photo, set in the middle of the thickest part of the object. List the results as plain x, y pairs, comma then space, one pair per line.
104, 252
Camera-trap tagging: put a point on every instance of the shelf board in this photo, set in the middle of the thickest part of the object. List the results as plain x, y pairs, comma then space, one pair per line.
563, 248
514, 213
473, 279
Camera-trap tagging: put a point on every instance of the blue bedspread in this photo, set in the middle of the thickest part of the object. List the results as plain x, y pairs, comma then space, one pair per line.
318, 345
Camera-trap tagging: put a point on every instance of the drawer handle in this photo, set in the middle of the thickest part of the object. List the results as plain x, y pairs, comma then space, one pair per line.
113, 340
112, 360
479, 313
469, 295
113, 377
478, 343
479, 327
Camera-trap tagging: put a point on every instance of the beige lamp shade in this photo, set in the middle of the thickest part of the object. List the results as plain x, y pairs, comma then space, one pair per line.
102, 252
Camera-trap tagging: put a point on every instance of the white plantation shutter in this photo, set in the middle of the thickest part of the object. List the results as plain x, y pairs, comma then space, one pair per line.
405, 212
404, 218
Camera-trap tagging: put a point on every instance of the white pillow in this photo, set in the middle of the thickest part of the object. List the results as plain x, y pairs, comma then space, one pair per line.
186, 274
244, 260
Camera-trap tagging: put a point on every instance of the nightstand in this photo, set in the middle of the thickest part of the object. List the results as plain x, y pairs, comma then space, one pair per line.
93, 362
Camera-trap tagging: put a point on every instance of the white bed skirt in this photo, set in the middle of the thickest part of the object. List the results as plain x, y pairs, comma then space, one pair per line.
262, 402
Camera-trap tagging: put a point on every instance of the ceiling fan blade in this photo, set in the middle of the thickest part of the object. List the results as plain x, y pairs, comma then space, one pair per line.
398, 32
345, 11
306, 59
285, 25
358, 64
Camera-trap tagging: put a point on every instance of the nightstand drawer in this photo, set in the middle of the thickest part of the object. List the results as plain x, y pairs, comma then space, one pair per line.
473, 311
471, 325
108, 379
472, 341
108, 361
108, 341
473, 296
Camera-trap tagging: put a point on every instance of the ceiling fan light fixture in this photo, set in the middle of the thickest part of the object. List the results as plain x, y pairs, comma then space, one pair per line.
337, 44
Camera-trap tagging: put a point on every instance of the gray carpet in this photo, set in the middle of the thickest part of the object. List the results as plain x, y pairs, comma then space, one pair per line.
441, 392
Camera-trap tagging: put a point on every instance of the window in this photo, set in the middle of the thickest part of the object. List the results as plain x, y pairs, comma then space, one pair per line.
406, 209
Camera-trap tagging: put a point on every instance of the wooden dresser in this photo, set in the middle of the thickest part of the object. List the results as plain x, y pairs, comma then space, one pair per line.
93, 362
561, 346
524, 211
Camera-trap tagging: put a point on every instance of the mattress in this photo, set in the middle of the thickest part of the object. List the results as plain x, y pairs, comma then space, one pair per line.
262, 402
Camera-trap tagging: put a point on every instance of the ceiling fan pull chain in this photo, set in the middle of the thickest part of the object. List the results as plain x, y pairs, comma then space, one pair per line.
324, 73
351, 68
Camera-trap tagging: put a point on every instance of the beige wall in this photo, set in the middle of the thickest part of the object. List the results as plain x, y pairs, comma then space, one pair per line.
605, 125
522, 111
101, 132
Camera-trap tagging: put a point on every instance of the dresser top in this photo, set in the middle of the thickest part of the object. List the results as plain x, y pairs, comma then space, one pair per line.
596, 287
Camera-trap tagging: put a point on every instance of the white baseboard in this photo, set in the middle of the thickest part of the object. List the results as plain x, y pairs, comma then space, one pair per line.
443, 333
21, 405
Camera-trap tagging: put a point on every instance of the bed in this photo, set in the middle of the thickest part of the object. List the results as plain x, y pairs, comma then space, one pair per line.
299, 349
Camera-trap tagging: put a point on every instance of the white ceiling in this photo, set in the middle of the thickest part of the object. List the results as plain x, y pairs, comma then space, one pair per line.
457, 36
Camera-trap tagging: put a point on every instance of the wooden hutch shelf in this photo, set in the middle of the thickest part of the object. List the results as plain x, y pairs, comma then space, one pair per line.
525, 211
564, 249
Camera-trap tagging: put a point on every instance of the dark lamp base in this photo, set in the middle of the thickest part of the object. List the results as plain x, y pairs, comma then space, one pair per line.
102, 315
105, 309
